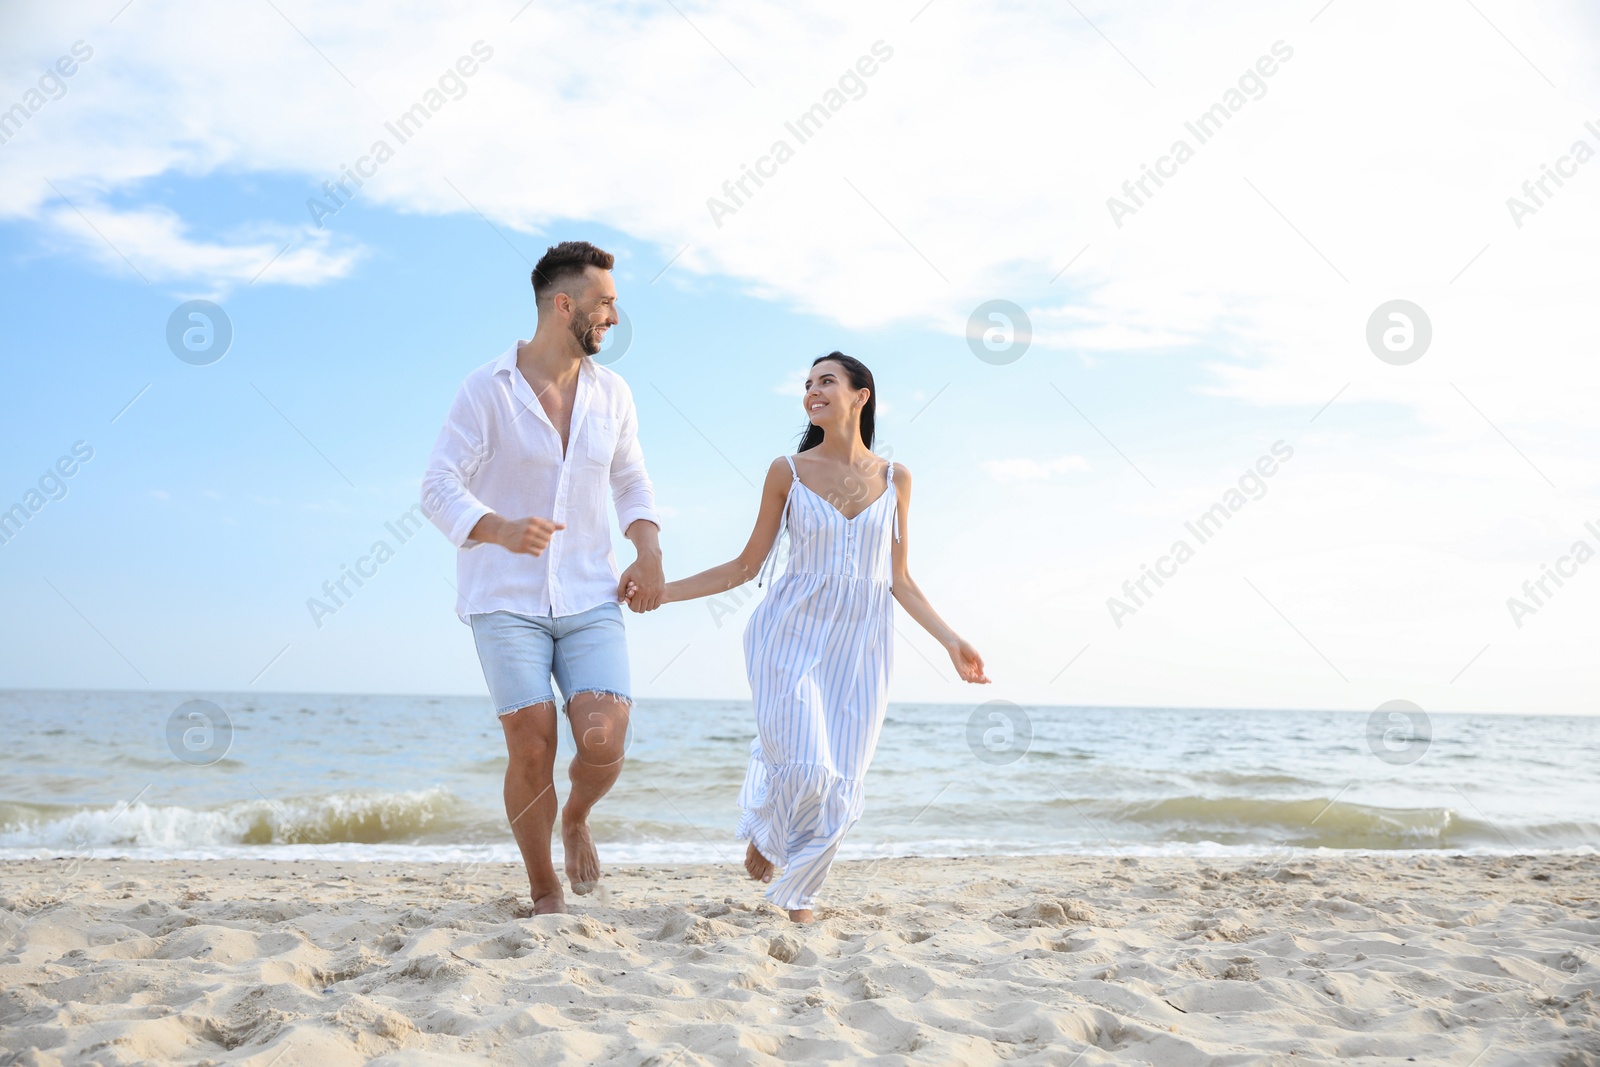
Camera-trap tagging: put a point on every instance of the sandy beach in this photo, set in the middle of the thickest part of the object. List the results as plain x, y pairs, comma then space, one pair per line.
1081, 960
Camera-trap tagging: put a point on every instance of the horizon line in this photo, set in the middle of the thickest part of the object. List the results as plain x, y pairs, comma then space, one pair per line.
892, 703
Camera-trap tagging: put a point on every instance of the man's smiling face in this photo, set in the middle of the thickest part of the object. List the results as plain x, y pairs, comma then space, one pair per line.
594, 309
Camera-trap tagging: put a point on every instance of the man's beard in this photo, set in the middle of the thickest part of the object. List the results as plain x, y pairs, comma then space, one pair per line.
588, 337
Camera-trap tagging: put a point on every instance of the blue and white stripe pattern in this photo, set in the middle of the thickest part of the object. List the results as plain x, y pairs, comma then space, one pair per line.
818, 651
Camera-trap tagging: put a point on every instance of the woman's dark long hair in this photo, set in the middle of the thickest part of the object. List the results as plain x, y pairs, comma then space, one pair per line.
860, 378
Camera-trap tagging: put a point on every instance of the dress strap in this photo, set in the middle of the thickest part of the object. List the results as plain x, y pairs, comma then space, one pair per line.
783, 522
896, 503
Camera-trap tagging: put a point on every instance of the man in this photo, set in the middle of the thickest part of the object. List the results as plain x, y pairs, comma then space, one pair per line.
517, 482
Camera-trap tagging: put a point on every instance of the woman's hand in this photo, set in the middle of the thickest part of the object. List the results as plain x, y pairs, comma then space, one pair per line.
968, 664
630, 597
641, 584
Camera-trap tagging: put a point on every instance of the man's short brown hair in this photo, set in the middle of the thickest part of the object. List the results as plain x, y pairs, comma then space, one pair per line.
563, 263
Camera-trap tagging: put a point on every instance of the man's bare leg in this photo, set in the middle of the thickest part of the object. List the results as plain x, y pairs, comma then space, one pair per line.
531, 798
600, 730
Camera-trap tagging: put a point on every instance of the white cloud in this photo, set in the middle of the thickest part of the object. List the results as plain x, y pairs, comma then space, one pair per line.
154, 243
1026, 469
977, 165
952, 179
794, 385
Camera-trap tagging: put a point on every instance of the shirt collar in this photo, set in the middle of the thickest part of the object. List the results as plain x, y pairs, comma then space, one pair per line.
587, 380
508, 362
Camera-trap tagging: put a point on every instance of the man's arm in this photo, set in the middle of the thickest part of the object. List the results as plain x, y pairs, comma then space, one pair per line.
635, 500
645, 572
461, 449
458, 452
530, 535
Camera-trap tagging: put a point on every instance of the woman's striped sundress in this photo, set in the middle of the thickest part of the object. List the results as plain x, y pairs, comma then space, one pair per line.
818, 651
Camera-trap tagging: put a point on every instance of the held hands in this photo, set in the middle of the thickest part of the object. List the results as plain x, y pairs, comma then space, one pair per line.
530, 536
630, 596
968, 664
642, 584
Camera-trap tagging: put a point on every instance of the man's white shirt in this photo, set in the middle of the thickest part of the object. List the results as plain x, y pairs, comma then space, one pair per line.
498, 452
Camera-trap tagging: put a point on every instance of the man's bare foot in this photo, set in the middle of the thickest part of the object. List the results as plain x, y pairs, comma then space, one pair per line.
582, 861
801, 916
550, 904
759, 866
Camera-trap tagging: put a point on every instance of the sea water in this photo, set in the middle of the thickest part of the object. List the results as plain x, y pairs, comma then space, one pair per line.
126, 774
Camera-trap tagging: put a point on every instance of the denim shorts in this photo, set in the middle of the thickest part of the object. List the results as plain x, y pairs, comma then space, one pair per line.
587, 653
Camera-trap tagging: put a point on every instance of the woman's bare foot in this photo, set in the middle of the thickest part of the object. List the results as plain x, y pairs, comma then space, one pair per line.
802, 916
582, 861
759, 866
550, 904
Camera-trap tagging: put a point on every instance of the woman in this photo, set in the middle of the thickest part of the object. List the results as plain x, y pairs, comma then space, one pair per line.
818, 649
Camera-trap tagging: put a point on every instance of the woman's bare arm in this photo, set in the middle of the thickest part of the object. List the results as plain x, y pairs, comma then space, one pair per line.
743, 567
968, 664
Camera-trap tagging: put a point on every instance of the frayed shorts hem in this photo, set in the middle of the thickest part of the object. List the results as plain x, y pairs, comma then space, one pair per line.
621, 698
548, 698
528, 659
616, 695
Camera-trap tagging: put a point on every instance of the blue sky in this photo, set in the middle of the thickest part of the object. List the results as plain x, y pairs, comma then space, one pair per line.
205, 519
1169, 353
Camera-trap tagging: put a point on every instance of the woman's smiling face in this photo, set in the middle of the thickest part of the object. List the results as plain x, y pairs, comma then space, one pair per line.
829, 397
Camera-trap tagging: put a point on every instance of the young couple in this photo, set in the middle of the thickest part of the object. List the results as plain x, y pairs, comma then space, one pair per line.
518, 480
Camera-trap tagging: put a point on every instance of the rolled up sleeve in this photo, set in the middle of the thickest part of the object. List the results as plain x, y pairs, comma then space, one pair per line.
458, 453
631, 491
